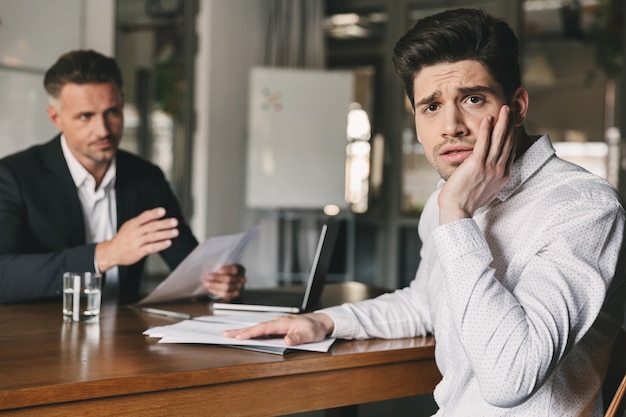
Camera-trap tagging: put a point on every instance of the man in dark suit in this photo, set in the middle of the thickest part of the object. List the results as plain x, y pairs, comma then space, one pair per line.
78, 203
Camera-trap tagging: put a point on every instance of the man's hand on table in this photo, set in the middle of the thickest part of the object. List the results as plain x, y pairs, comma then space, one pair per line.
296, 329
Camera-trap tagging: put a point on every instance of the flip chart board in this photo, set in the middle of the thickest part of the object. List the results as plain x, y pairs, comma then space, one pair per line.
296, 153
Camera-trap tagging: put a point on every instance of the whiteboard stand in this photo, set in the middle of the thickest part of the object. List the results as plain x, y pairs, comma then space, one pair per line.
296, 156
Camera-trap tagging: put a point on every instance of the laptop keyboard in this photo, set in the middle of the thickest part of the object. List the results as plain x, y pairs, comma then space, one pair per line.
272, 299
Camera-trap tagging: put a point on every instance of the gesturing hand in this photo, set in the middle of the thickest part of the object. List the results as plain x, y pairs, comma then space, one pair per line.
138, 237
477, 181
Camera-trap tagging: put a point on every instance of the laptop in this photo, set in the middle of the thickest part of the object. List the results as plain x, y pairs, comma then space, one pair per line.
277, 300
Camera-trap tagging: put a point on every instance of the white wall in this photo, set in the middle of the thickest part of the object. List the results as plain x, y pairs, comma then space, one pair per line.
229, 45
33, 34
99, 26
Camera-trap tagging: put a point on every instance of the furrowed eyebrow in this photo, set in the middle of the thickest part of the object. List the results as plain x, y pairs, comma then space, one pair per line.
462, 90
428, 99
476, 89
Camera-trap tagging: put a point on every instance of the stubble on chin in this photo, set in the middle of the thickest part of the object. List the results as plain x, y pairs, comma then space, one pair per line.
447, 171
103, 157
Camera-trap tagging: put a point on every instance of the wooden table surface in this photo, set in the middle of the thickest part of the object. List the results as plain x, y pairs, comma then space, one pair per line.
50, 367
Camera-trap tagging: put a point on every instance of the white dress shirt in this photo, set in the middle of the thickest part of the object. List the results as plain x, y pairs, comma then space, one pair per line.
521, 298
99, 210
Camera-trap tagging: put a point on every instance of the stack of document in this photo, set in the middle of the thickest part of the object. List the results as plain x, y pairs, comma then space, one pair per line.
209, 330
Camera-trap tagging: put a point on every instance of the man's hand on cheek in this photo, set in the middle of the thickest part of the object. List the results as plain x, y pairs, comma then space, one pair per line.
477, 181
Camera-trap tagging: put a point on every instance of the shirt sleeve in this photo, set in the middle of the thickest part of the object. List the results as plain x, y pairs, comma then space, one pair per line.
402, 313
515, 335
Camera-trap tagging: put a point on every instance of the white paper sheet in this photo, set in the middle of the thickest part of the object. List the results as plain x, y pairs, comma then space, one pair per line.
185, 280
209, 329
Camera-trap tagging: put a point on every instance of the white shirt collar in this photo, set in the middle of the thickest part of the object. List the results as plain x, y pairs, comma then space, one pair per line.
80, 174
527, 164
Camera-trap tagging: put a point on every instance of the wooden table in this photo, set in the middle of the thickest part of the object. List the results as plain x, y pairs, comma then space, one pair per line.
49, 367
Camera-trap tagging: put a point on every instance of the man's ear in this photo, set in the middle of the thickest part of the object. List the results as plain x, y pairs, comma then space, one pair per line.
53, 114
520, 106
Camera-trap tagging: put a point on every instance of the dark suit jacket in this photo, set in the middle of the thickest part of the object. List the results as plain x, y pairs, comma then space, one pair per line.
42, 231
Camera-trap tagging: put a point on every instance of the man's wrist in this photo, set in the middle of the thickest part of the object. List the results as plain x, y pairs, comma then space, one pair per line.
95, 264
449, 216
100, 262
327, 323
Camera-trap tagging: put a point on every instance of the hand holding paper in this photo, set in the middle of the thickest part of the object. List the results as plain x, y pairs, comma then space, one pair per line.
186, 280
226, 283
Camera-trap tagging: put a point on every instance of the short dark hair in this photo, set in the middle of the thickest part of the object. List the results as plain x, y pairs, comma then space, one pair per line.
457, 35
81, 67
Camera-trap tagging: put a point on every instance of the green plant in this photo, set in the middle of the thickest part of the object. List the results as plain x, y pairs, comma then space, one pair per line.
606, 35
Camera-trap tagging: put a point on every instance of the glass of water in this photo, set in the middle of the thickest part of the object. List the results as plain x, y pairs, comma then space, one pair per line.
81, 296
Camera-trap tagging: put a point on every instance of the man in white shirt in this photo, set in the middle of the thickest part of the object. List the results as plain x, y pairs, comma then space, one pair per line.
521, 278
79, 203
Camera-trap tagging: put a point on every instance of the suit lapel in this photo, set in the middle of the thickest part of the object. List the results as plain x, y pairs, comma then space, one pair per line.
126, 197
125, 190
58, 178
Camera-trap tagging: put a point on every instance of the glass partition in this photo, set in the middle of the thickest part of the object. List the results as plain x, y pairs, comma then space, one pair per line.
153, 48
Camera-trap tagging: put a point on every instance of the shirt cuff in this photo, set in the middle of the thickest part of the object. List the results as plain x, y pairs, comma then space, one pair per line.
456, 239
344, 325
95, 264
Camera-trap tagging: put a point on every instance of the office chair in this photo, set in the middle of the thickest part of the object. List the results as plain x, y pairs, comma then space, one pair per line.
618, 403
614, 386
